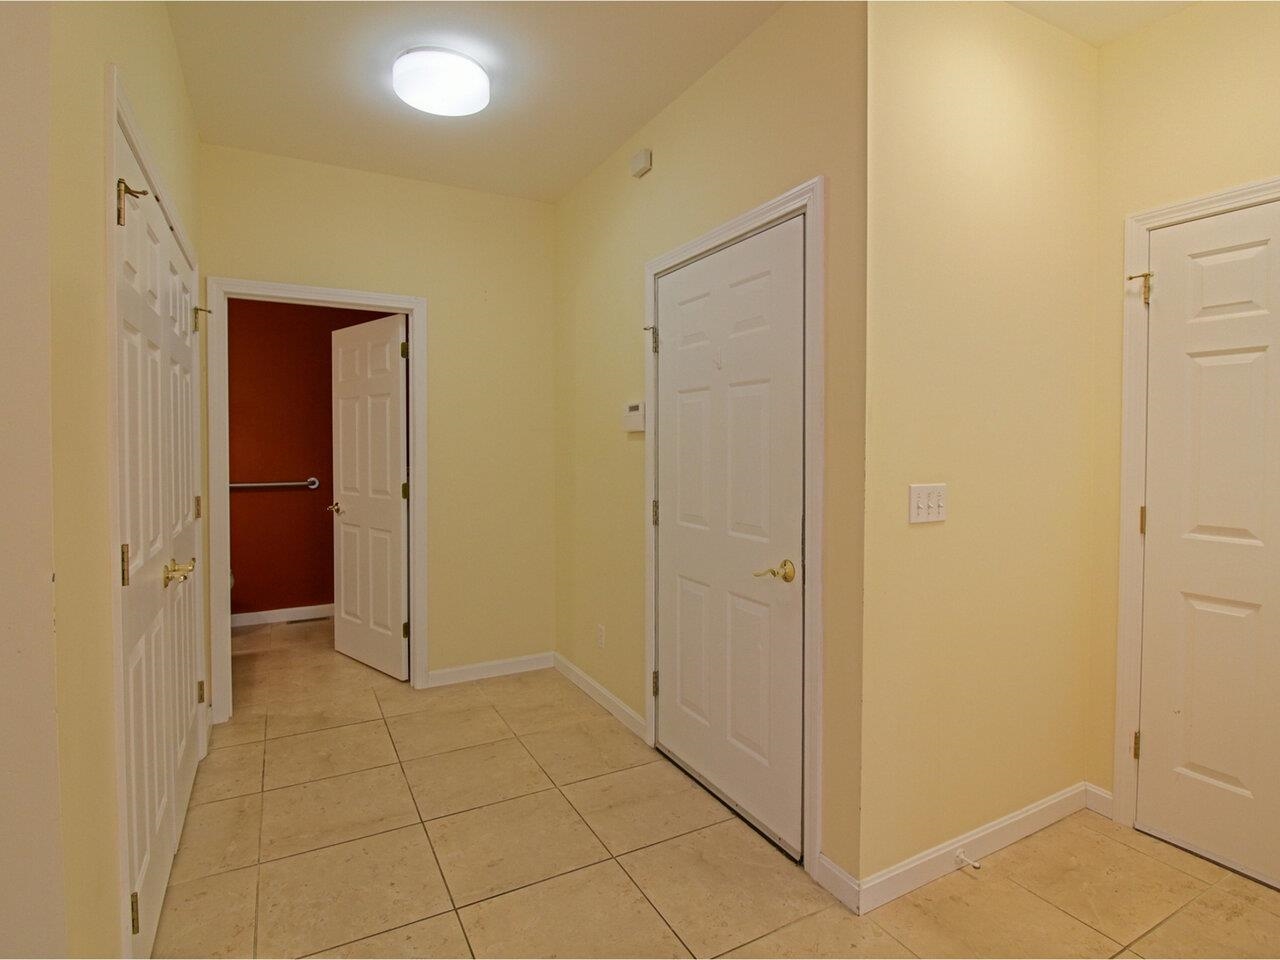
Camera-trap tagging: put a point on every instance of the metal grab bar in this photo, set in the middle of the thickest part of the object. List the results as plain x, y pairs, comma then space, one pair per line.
311, 483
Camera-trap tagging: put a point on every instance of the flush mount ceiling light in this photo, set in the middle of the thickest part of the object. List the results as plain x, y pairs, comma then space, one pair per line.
442, 82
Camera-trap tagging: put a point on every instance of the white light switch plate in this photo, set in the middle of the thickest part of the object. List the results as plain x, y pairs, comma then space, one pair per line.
927, 502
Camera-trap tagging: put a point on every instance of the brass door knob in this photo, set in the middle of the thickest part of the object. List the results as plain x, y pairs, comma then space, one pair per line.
334, 508
785, 571
175, 572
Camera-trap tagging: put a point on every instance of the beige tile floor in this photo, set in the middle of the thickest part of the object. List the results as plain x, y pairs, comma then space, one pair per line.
341, 813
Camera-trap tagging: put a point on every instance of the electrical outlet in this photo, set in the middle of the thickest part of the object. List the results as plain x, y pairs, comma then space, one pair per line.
600, 635
927, 502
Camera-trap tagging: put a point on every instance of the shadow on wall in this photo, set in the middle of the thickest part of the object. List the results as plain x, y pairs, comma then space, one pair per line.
280, 415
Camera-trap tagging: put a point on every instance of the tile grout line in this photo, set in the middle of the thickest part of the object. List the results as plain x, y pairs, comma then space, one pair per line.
1146, 933
615, 857
443, 753
1063, 910
257, 885
531, 883
811, 913
604, 846
1084, 823
435, 857
677, 836
290, 786
612, 856
330, 776
399, 926
448, 893
338, 843
261, 820
563, 873
1176, 910
400, 763
452, 907
897, 940
491, 803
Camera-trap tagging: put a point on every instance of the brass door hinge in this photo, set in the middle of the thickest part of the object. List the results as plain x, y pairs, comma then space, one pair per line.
655, 683
404, 350
404, 630
199, 691
404, 490
199, 508
195, 317
124, 564
1137, 744
654, 512
1146, 285
1142, 519
124, 190
133, 913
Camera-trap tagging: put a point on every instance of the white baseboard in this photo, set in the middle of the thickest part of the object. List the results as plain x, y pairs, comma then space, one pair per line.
319, 611
837, 881
1098, 800
490, 668
889, 884
592, 688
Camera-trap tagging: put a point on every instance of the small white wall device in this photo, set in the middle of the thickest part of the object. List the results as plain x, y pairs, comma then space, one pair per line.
641, 162
927, 503
633, 417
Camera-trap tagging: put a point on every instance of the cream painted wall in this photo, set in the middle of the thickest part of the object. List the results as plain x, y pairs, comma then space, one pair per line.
784, 106
1207, 84
484, 264
32, 901
86, 37
981, 230
987, 333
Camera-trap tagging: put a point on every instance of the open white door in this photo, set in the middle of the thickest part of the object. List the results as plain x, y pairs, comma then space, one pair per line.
158, 429
1209, 770
731, 498
371, 508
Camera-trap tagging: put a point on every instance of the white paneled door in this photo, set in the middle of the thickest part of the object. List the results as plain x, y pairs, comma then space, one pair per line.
1209, 765
730, 572
371, 508
158, 432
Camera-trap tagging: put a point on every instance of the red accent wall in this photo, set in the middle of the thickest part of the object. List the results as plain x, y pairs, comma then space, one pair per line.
280, 425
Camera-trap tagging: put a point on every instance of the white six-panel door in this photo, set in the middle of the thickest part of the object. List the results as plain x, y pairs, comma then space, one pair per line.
1209, 767
731, 497
370, 462
158, 423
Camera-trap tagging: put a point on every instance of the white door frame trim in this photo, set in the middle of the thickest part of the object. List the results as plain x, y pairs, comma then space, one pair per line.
807, 200
1133, 477
218, 291
119, 113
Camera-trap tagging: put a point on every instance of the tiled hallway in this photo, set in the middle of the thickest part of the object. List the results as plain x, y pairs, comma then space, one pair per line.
342, 813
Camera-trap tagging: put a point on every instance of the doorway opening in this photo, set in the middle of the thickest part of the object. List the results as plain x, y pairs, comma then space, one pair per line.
735, 594
1196, 665
314, 500
281, 459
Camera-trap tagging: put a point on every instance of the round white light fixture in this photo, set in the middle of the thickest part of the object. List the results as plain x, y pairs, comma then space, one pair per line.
442, 82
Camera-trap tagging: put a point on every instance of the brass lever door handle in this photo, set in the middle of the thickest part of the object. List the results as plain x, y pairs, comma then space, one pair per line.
334, 508
785, 571
175, 572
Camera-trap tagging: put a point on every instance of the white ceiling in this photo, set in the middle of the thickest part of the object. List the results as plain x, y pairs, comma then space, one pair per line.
1100, 21
570, 81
